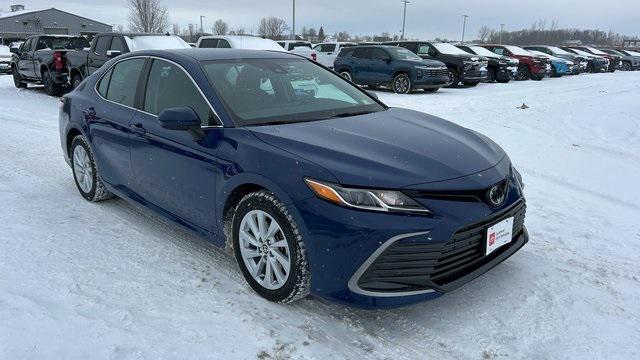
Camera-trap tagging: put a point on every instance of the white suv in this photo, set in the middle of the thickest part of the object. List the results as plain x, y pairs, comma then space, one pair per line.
238, 42
328, 51
299, 47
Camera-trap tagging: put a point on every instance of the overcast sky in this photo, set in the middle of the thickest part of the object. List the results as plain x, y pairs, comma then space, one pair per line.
426, 19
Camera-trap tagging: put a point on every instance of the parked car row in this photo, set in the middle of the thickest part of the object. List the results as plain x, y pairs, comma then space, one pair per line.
62, 62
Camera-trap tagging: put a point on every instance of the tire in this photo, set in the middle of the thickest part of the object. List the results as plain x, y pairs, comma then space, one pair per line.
76, 80
49, 86
346, 75
85, 172
290, 286
454, 78
523, 73
401, 84
554, 72
17, 79
626, 66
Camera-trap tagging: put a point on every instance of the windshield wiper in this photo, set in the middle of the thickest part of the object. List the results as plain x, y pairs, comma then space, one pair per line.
350, 113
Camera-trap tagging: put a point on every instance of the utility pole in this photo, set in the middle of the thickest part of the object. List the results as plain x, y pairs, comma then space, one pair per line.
501, 31
294, 20
201, 28
404, 17
464, 25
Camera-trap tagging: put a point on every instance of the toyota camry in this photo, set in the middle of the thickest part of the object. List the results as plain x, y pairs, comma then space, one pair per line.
316, 185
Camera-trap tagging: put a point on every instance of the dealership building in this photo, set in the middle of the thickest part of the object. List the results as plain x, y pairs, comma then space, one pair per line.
19, 23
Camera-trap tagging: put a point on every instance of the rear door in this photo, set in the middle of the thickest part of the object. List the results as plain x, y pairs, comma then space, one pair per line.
109, 119
380, 68
98, 56
361, 65
172, 169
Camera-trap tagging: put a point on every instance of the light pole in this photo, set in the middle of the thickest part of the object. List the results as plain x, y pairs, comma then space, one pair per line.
464, 25
201, 28
294, 20
501, 31
404, 17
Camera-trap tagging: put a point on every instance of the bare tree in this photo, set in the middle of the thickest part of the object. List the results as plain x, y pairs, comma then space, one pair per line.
484, 32
220, 27
148, 16
176, 29
342, 36
272, 27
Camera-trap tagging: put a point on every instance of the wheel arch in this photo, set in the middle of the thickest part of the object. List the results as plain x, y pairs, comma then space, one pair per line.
71, 134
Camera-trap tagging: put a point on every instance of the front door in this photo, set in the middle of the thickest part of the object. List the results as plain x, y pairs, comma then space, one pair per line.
173, 169
25, 61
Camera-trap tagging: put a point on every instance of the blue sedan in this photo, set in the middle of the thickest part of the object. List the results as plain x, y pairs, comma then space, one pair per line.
316, 185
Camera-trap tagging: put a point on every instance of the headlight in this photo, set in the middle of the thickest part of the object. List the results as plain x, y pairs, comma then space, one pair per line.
366, 199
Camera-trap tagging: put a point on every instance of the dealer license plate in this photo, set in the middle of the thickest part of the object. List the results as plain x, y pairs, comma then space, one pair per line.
499, 235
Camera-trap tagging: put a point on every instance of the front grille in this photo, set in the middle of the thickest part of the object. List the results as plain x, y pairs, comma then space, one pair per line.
437, 72
407, 266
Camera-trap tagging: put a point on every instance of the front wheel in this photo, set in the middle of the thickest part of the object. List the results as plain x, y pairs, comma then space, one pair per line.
346, 75
76, 80
85, 172
523, 73
401, 84
17, 79
269, 249
454, 78
626, 66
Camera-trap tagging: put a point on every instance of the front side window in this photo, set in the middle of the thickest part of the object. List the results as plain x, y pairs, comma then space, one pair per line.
423, 49
268, 91
499, 51
224, 44
102, 44
327, 47
169, 86
118, 45
401, 53
379, 54
124, 80
362, 53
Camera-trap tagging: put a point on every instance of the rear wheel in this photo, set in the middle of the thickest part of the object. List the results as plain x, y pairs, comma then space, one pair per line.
51, 88
17, 79
76, 80
85, 172
523, 73
401, 84
269, 248
454, 78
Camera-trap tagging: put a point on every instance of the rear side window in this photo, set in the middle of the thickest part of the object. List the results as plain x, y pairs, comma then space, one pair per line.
379, 54
209, 43
362, 53
104, 84
169, 86
102, 44
499, 51
423, 49
124, 80
346, 52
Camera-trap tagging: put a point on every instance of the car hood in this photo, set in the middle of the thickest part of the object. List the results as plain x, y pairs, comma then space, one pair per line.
423, 62
388, 149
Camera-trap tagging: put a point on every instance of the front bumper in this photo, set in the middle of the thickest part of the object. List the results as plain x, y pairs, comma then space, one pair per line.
343, 244
5, 67
431, 78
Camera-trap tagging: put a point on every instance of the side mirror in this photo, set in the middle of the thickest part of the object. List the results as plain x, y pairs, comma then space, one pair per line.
373, 95
181, 118
14, 50
113, 53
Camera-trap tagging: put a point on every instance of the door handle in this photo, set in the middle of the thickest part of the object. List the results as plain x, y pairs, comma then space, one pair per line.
138, 129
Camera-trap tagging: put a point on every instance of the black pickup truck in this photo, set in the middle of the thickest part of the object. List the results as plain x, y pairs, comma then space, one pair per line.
106, 46
41, 60
463, 67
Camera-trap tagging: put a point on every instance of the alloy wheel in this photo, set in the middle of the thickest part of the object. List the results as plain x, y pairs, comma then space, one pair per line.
401, 84
82, 169
346, 75
264, 249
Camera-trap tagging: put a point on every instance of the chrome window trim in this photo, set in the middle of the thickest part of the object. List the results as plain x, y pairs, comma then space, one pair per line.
353, 282
95, 88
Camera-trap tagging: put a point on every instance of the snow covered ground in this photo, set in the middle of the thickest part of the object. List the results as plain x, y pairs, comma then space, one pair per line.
110, 281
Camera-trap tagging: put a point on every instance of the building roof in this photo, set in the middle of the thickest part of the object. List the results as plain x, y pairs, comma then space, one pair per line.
10, 14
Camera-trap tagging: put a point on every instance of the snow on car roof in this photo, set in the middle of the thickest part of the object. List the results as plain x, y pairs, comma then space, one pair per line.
155, 42
516, 50
251, 43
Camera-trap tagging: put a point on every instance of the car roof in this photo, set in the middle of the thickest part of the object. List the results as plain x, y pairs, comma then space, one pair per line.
218, 54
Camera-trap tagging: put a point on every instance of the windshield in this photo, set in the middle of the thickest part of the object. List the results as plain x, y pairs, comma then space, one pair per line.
449, 49
276, 91
400, 53
518, 50
596, 51
159, 42
482, 51
584, 53
632, 53
62, 43
557, 50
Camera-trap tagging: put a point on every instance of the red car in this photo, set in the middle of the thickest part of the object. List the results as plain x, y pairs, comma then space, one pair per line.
531, 66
